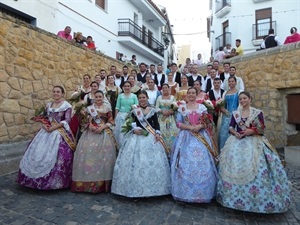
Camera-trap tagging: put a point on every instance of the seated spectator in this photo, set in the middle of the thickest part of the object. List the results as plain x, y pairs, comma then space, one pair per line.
65, 34
220, 55
295, 37
271, 41
78, 39
90, 43
133, 60
232, 53
227, 49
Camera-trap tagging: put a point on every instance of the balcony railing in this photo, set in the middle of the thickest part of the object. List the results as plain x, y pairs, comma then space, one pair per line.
222, 40
220, 4
128, 28
259, 30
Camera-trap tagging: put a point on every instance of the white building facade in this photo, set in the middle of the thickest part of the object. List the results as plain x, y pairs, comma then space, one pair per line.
125, 27
250, 20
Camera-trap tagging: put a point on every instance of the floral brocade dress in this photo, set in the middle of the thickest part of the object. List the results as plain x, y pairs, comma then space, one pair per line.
142, 168
193, 171
47, 162
252, 177
167, 123
95, 157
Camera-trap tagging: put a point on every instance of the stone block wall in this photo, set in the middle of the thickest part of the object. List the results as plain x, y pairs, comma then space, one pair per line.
32, 61
269, 76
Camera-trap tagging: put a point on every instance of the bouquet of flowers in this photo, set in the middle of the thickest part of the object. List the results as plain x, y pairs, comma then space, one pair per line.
174, 106
220, 106
75, 97
40, 116
209, 105
207, 120
130, 124
79, 106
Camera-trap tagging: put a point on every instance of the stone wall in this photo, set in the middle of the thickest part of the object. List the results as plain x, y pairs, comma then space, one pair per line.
269, 76
32, 61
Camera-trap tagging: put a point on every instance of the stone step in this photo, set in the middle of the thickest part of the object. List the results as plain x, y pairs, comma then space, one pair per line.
10, 156
292, 155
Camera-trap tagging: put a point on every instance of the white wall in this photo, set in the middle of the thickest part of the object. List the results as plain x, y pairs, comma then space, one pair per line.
84, 16
242, 17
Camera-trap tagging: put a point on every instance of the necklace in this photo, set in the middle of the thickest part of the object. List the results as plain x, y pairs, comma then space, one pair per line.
143, 107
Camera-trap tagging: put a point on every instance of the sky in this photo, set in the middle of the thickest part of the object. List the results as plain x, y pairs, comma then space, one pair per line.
189, 17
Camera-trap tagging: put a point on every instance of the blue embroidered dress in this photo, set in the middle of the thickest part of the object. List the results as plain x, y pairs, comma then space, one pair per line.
252, 177
193, 172
232, 103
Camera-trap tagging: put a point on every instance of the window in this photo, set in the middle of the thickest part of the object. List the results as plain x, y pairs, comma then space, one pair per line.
263, 22
17, 14
101, 3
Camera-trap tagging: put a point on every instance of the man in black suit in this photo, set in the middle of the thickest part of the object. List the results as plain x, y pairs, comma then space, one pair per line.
215, 94
209, 84
152, 71
160, 78
176, 74
194, 76
119, 80
225, 75
141, 76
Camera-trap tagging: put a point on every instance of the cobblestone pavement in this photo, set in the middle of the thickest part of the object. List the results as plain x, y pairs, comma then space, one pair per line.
20, 205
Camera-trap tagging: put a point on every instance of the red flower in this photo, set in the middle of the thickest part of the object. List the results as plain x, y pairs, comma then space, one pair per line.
200, 101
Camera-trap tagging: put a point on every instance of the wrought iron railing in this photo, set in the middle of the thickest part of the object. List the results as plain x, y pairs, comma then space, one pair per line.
222, 40
128, 28
259, 30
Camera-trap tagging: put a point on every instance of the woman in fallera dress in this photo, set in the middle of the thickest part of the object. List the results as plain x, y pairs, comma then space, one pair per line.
89, 98
95, 154
231, 98
173, 85
123, 107
182, 91
166, 117
81, 91
193, 171
47, 162
135, 89
201, 95
142, 168
252, 177
112, 92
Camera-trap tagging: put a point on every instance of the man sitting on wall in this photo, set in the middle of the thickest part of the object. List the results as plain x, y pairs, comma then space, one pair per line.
65, 34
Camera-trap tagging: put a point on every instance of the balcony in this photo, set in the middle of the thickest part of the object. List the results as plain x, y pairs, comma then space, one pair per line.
223, 7
259, 1
259, 30
222, 40
132, 35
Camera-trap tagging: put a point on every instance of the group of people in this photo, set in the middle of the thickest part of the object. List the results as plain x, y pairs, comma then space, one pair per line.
272, 40
148, 134
78, 38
